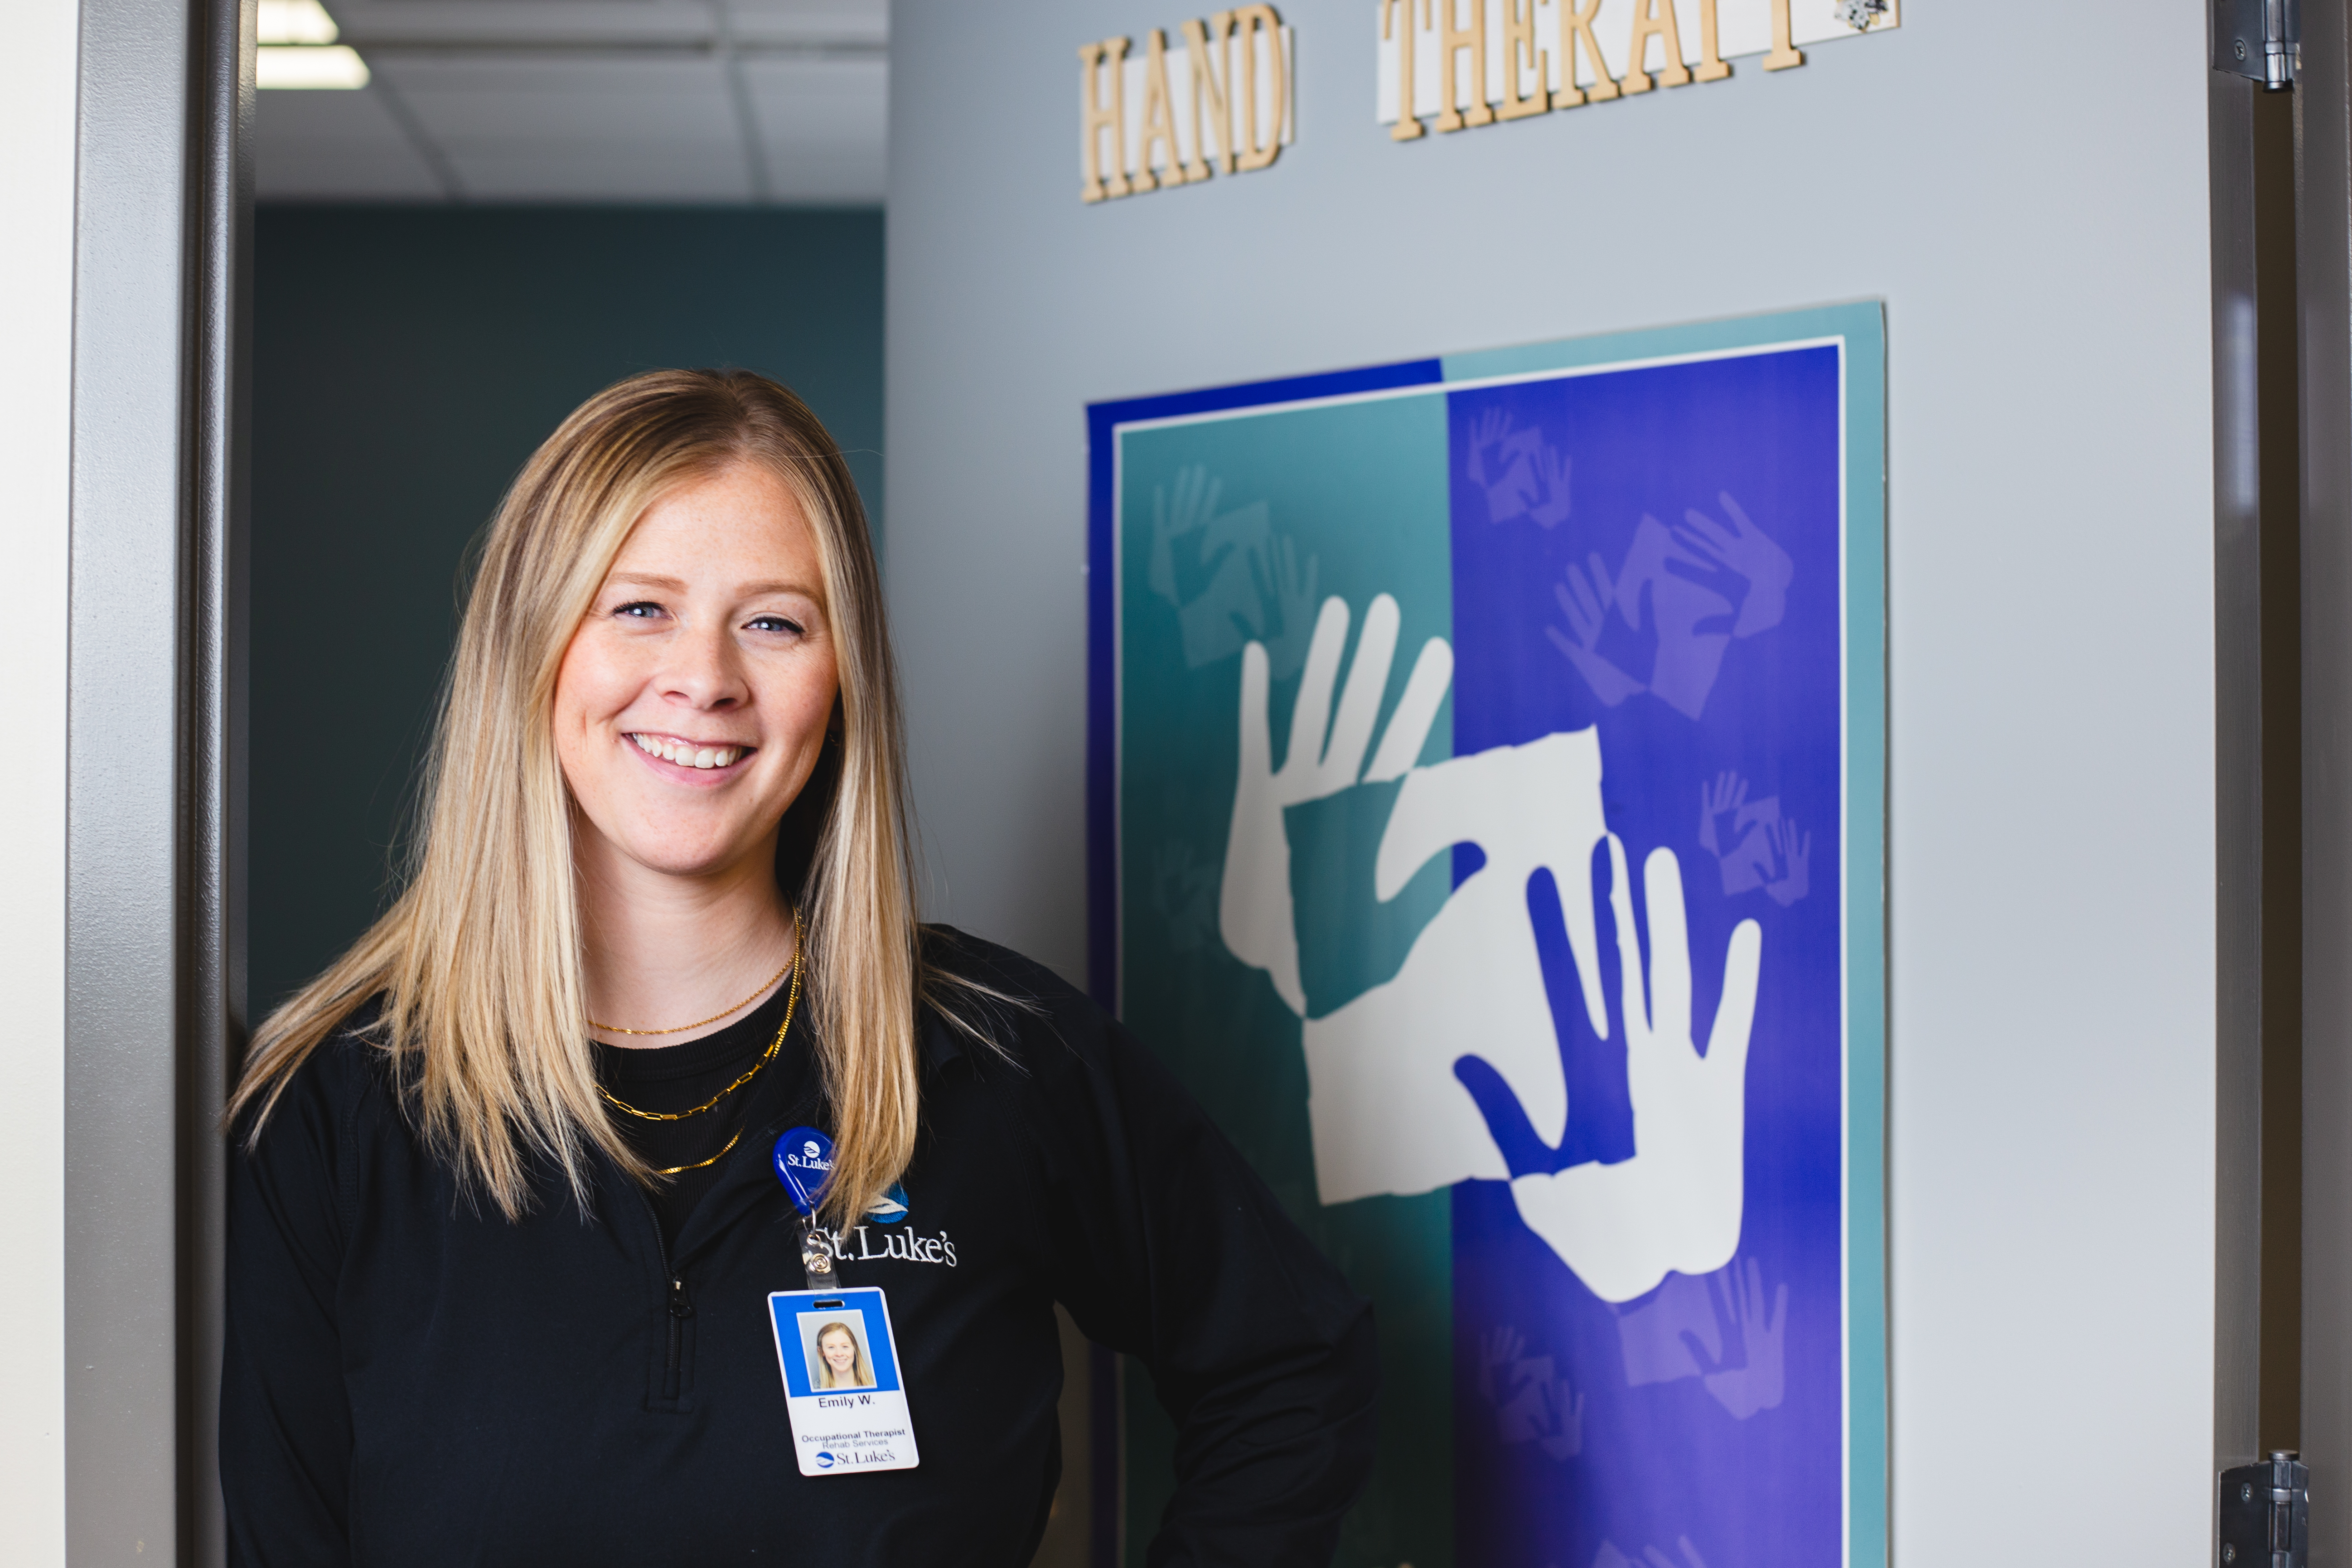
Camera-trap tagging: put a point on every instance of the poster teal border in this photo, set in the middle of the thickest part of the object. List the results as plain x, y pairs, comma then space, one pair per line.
1860, 327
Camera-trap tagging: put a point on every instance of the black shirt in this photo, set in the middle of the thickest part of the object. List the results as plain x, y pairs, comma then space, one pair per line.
680, 1077
411, 1379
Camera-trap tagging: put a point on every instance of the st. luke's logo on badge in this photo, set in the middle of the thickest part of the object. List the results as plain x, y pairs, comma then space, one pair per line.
842, 1388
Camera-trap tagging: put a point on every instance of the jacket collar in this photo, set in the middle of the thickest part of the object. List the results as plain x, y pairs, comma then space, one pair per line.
937, 1041
749, 1177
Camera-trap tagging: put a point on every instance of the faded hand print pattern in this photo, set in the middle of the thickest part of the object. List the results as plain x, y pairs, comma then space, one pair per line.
1229, 577
1651, 1557
1521, 473
1184, 894
1533, 1404
1754, 847
1680, 597
1756, 1380
1720, 1328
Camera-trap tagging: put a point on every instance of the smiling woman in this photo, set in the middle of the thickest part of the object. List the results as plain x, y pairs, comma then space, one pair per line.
685, 563
660, 922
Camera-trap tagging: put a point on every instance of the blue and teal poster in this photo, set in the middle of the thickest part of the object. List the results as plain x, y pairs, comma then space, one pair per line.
1486, 822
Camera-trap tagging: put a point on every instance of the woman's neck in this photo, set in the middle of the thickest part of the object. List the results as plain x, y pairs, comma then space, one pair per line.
663, 951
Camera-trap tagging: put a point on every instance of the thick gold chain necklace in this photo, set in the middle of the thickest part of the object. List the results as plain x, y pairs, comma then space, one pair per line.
790, 1004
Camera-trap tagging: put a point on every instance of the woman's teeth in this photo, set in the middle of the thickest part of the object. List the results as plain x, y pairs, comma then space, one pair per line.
686, 756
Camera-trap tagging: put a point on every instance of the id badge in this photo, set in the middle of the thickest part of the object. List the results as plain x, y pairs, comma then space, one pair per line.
842, 1390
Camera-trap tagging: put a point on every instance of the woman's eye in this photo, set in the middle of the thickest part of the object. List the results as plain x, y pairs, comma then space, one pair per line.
774, 623
640, 610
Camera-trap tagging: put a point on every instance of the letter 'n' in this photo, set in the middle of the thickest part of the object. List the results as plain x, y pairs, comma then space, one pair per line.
1159, 117
1213, 81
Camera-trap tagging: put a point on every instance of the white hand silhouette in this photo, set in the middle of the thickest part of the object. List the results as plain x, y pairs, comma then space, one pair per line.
1386, 1111
1326, 755
1676, 1203
1391, 1073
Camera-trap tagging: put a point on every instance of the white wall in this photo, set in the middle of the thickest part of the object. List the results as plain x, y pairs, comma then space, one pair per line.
36, 253
2032, 207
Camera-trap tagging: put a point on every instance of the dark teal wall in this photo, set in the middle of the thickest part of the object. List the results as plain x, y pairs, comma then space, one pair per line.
406, 360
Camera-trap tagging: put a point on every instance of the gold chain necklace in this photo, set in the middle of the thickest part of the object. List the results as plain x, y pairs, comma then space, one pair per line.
674, 1170
770, 980
790, 1004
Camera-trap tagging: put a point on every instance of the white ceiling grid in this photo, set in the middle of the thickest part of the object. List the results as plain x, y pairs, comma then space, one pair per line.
591, 100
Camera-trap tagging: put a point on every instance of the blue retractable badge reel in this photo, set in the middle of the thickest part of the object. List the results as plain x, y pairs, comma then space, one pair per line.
804, 1159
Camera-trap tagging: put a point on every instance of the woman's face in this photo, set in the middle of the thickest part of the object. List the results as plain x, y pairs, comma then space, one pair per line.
692, 703
840, 1351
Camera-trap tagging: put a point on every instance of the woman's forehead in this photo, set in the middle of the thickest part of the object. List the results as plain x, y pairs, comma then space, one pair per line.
743, 519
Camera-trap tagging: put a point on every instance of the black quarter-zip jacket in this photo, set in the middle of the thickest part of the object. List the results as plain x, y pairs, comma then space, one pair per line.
411, 1380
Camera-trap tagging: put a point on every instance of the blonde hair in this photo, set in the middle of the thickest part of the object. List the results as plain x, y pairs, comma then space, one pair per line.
479, 959
861, 1374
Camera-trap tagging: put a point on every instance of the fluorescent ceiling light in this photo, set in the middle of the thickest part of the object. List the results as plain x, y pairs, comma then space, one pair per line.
296, 22
310, 66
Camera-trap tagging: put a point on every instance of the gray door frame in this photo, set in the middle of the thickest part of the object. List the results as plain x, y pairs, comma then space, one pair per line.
155, 762
2257, 782
2238, 794
2323, 262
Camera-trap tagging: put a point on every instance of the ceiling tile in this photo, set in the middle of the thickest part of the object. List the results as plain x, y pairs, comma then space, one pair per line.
802, 21
553, 175
824, 125
559, 101
593, 101
312, 146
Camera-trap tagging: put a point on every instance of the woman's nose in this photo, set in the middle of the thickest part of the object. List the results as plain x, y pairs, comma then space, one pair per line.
702, 670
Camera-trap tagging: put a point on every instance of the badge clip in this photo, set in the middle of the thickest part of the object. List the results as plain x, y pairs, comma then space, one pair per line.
803, 1159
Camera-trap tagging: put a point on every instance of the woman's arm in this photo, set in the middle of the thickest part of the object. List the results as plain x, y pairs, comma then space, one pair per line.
286, 1427
1170, 1247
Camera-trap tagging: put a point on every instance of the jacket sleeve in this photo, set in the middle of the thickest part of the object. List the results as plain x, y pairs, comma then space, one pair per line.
1168, 1247
285, 1427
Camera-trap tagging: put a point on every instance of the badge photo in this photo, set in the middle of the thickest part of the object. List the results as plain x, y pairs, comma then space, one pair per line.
842, 1388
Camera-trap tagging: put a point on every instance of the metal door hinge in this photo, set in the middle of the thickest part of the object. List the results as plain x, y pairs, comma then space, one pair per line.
2265, 1513
2259, 39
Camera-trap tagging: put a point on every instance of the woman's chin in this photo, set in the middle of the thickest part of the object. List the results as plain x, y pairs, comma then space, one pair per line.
691, 860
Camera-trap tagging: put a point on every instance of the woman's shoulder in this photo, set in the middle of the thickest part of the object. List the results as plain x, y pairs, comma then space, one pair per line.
1019, 1006
977, 961
333, 1084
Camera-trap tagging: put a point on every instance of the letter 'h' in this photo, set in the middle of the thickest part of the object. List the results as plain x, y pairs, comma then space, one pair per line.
1098, 116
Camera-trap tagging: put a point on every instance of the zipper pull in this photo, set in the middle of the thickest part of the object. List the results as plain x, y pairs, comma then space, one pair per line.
679, 1306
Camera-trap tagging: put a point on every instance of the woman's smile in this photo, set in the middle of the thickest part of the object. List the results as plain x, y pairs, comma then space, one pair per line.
701, 755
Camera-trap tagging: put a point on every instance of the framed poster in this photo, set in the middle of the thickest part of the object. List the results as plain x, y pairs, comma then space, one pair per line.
1488, 805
